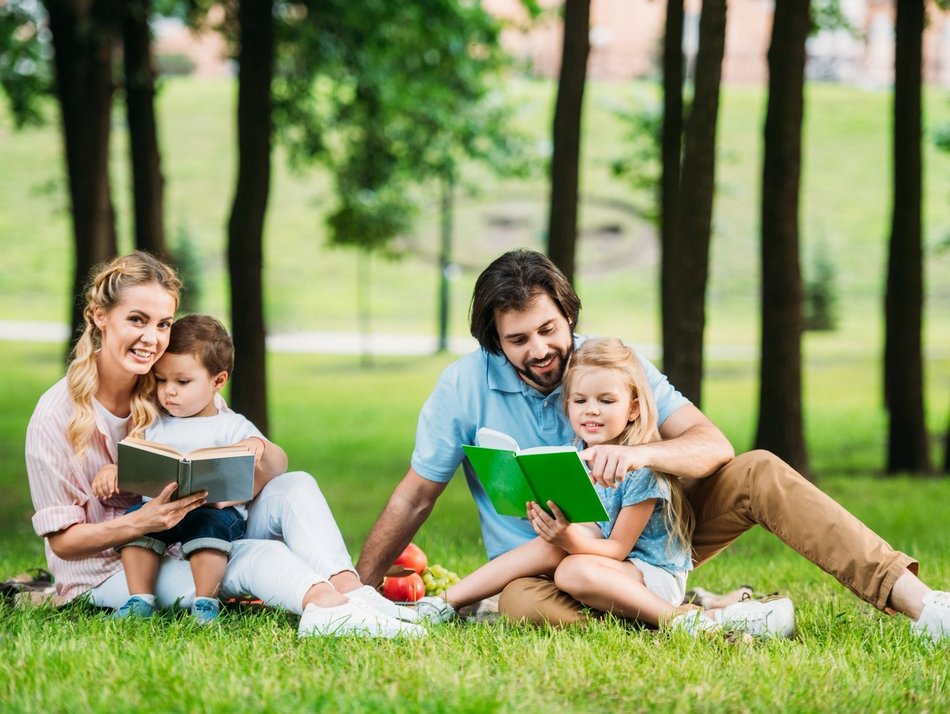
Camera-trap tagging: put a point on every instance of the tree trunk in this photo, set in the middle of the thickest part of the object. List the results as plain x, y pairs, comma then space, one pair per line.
671, 151
565, 159
445, 255
780, 399
907, 448
685, 321
147, 180
83, 36
246, 225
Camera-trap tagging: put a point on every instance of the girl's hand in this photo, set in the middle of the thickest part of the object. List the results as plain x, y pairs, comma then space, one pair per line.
554, 530
161, 513
106, 482
609, 464
255, 445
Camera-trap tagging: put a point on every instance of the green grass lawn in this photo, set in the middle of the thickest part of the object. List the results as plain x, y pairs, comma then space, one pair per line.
353, 429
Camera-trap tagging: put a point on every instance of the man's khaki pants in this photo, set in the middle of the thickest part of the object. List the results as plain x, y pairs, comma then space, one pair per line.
754, 488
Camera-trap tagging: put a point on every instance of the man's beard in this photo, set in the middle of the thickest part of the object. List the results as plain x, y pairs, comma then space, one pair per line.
547, 380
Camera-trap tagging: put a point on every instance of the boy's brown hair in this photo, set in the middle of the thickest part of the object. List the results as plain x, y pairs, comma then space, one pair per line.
205, 338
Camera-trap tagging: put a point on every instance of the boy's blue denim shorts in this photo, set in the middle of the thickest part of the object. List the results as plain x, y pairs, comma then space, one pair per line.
205, 527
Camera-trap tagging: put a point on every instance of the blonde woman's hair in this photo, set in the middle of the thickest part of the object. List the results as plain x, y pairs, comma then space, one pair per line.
612, 354
104, 290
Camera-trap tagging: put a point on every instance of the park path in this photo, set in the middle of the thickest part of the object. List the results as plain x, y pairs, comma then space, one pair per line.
348, 343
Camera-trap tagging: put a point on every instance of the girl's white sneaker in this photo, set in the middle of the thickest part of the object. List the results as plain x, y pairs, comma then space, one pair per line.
435, 610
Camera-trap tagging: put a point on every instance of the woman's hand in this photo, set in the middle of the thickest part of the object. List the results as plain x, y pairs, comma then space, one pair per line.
161, 513
106, 483
556, 530
609, 464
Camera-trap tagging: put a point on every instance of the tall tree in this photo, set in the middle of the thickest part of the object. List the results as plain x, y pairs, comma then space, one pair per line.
246, 224
147, 180
780, 427
686, 248
84, 34
566, 138
907, 448
671, 154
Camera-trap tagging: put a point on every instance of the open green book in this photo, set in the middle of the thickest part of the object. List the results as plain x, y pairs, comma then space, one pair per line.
513, 476
225, 472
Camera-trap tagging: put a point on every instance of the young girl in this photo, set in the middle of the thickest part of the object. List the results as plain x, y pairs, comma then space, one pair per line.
633, 565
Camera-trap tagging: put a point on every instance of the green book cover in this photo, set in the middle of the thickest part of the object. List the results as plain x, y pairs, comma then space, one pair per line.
512, 477
225, 472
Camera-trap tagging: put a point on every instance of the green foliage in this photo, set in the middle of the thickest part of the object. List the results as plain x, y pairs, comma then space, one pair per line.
821, 291
25, 58
390, 96
173, 64
640, 165
188, 263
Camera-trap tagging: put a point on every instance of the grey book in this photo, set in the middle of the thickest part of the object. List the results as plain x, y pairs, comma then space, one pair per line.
225, 472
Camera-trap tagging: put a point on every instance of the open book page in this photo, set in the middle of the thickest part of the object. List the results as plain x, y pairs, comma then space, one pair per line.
208, 452
493, 439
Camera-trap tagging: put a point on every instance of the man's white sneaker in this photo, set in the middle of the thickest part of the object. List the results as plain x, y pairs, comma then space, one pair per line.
352, 619
694, 622
769, 617
369, 598
435, 610
934, 620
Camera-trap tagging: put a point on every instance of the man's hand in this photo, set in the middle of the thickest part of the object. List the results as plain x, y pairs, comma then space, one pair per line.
106, 483
609, 464
161, 513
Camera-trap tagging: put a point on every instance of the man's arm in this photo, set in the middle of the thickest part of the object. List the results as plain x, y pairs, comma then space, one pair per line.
407, 509
692, 447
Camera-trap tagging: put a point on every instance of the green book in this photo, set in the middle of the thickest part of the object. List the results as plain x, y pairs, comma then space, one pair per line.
225, 472
513, 476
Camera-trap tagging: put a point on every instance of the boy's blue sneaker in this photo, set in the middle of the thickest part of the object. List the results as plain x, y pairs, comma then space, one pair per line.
134, 607
205, 610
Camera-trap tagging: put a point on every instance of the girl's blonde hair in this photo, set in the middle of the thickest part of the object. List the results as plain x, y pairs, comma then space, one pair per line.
105, 291
612, 354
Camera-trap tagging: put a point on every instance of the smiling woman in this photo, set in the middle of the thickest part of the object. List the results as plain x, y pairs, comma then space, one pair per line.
108, 393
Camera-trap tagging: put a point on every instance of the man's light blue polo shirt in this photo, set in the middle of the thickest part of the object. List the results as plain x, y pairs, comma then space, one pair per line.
484, 390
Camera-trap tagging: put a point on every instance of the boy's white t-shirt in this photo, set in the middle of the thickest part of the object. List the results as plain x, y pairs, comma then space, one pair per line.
190, 433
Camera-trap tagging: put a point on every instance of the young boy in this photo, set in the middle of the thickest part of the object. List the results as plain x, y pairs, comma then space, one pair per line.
190, 374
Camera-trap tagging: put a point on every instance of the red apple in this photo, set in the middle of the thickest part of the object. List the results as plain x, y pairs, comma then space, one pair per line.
413, 558
407, 588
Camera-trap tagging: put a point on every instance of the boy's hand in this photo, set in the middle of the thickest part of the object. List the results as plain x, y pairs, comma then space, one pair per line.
255, 445
106, 482
556, 530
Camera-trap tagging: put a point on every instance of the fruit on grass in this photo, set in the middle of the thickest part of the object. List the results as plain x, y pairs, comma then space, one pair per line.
406, 588
413, 558
437, 579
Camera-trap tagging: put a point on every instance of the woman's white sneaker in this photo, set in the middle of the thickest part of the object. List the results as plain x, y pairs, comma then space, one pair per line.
352, 619
369, 598
768, 617
934, 620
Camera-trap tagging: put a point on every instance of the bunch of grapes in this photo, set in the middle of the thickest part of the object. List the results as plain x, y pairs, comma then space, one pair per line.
437, 579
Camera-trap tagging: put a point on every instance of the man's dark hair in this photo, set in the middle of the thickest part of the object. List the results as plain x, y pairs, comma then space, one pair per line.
512, 282
205, 338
